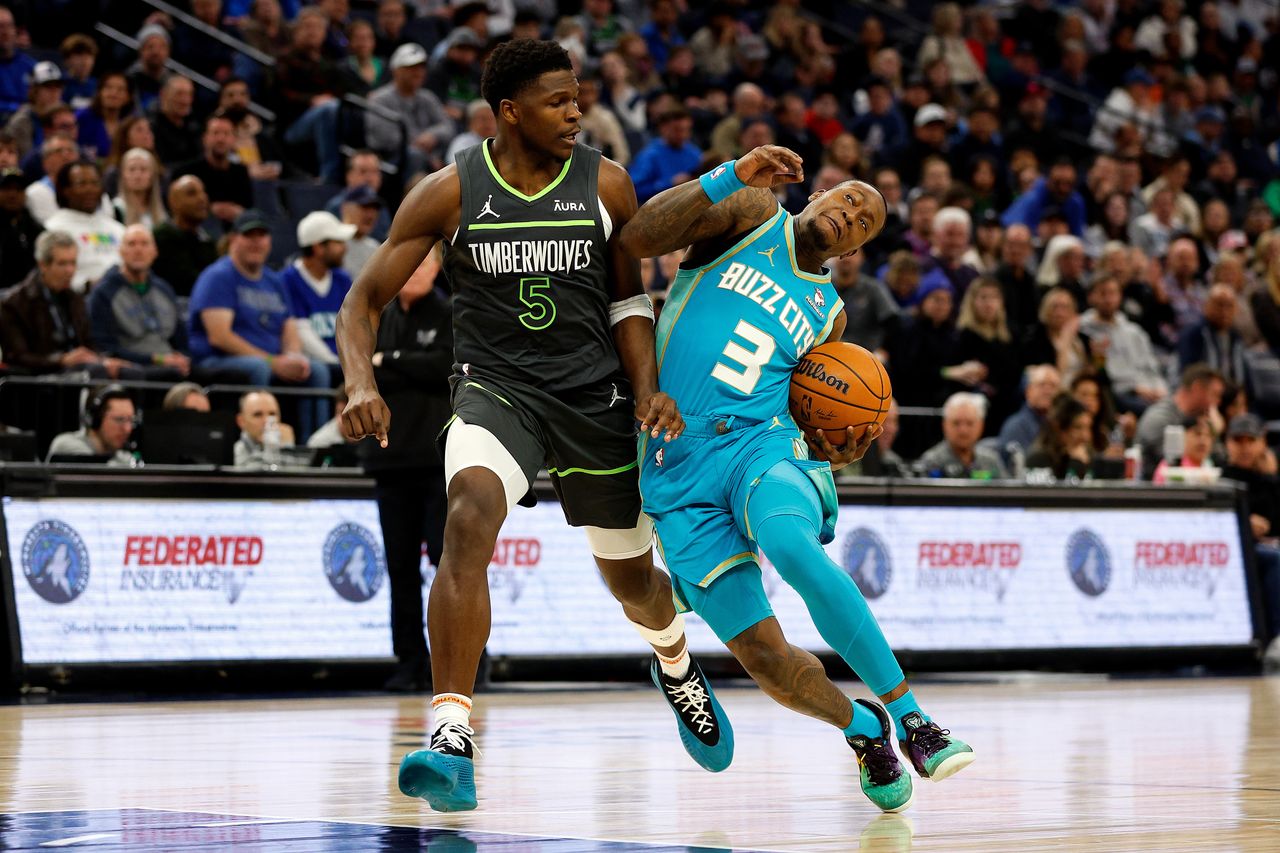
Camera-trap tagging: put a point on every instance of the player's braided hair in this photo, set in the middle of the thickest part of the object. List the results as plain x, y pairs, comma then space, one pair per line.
515, 64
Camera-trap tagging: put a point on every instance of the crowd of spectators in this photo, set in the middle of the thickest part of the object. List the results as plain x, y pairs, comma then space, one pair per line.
1081, 246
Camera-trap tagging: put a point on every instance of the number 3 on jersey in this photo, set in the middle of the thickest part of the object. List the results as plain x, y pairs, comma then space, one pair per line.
542, 310
751, 360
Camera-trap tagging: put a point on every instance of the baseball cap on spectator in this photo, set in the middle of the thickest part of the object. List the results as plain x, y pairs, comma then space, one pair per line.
933, 280
1139, 77
152, 31
989, 217
362, 195
1052, 212
1035, 90
752, 48
1246, 65
1233, 241
321, 225
1211, 115
251, 220
464, 37
408, 55
46, 72
930, 113
1247, 424
12, 178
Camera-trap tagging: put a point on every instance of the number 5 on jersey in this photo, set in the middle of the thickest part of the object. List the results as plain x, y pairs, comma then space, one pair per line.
542, 310
752, 360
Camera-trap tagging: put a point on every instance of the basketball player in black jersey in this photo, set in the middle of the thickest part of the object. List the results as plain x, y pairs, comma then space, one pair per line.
555, 365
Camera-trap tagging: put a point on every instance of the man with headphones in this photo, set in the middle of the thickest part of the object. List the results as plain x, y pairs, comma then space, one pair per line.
106, 424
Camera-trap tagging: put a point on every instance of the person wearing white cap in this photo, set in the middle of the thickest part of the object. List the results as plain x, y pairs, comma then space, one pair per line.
317, 283
44, 93
928, 136
422, 115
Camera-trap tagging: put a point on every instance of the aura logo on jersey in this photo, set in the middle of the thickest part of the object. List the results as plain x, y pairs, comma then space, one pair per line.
1173, 563
988, 566
354, 562
55, 561
1088, 562
866, 559
515, 558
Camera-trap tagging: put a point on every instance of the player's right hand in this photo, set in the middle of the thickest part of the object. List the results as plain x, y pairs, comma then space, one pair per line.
366, 413
769, 166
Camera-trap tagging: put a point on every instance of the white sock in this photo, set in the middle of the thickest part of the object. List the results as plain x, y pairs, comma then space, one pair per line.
678, 666
450, 707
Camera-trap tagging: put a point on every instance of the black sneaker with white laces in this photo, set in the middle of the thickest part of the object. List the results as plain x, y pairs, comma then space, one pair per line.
704, 728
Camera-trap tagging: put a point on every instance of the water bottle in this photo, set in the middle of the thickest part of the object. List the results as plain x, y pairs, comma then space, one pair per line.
1017, 460
1175, 441
271, 443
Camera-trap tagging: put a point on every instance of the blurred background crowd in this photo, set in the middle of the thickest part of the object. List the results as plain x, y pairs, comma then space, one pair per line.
1081, 249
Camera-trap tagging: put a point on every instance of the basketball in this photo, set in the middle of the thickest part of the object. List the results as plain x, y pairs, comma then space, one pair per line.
839, 385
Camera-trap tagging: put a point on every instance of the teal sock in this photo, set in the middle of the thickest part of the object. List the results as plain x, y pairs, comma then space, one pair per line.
863, 723
900, 707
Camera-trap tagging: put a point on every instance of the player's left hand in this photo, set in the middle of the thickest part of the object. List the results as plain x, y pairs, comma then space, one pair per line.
854, 448
659, 413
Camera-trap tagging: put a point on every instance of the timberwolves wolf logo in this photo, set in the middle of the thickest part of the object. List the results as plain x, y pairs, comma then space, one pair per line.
488, 208
55, 561
866, 559
1088, 562
353, 562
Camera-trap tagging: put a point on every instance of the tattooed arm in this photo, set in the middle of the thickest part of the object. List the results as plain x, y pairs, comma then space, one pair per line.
684, 215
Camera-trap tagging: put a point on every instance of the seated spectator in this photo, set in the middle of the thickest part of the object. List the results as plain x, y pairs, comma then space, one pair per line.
309, 86
1198, 393
668, 160
186, 395
79, 192
481, 125
1112, 433
18, 230
1017, 279
56, 120
330, 433
148, 73
1057, 190
870, 311
226, 182
1113, 226
1152, 231
15, 65
1056, 339
241, 320
1019, 430
958, 455
923, 342
1196, 449
134, 132
184, 247
1065, 444
1174, 176
44, 94
1214, 340
455, 76
361, 209
108, 421
259, 413
423, 126
44, 326
1183, 287
952, 230
177, 133
79, 53
1137, 378
139, 201
903, 280
317, 283
254, 147
135, 316
98, 122
362, 69
364, 169
56, 152
985, 339
1251, 462
1063, 266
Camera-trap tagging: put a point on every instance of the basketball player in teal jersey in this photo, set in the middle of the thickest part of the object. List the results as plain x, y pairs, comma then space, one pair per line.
751, 298
555, 364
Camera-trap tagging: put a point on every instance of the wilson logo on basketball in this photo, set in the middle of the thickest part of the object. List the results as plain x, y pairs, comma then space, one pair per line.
814, 370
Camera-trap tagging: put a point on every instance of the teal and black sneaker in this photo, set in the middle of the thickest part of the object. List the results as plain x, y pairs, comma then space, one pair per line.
884, 780
934, 753
444, 773
704, 728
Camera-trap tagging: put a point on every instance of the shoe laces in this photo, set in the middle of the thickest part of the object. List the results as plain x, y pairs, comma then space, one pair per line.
453, 737
931, 738
693, 702
881, 763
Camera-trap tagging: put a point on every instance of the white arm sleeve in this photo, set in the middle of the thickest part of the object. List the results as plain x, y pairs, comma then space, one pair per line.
636, 306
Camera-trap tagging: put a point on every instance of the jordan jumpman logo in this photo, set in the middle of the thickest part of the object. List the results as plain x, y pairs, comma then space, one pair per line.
488, 208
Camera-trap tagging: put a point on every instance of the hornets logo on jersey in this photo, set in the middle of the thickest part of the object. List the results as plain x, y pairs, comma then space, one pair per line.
731, 350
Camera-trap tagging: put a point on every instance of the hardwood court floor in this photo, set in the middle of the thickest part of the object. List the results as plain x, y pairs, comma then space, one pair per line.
1063, 764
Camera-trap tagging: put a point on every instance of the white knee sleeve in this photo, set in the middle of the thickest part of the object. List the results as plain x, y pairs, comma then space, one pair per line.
621, 544
470, 446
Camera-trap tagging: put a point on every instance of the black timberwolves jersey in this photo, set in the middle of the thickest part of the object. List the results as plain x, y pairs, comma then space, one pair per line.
530, 276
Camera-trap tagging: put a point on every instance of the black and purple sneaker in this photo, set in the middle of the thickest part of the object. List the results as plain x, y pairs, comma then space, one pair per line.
931, 749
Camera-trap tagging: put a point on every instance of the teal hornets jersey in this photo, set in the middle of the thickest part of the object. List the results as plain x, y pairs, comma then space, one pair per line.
732, 331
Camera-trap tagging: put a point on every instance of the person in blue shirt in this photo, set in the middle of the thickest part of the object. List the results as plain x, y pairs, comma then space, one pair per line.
241, 320
668, 160
751, 299
15, 66
317, 283
1057, 190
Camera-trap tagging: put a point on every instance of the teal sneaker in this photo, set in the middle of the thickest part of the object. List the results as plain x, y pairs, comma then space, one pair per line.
934, 753
884, 780
444, 773
704, 729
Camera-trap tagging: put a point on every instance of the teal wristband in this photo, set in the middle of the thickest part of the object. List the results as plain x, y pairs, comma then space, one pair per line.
721, 182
